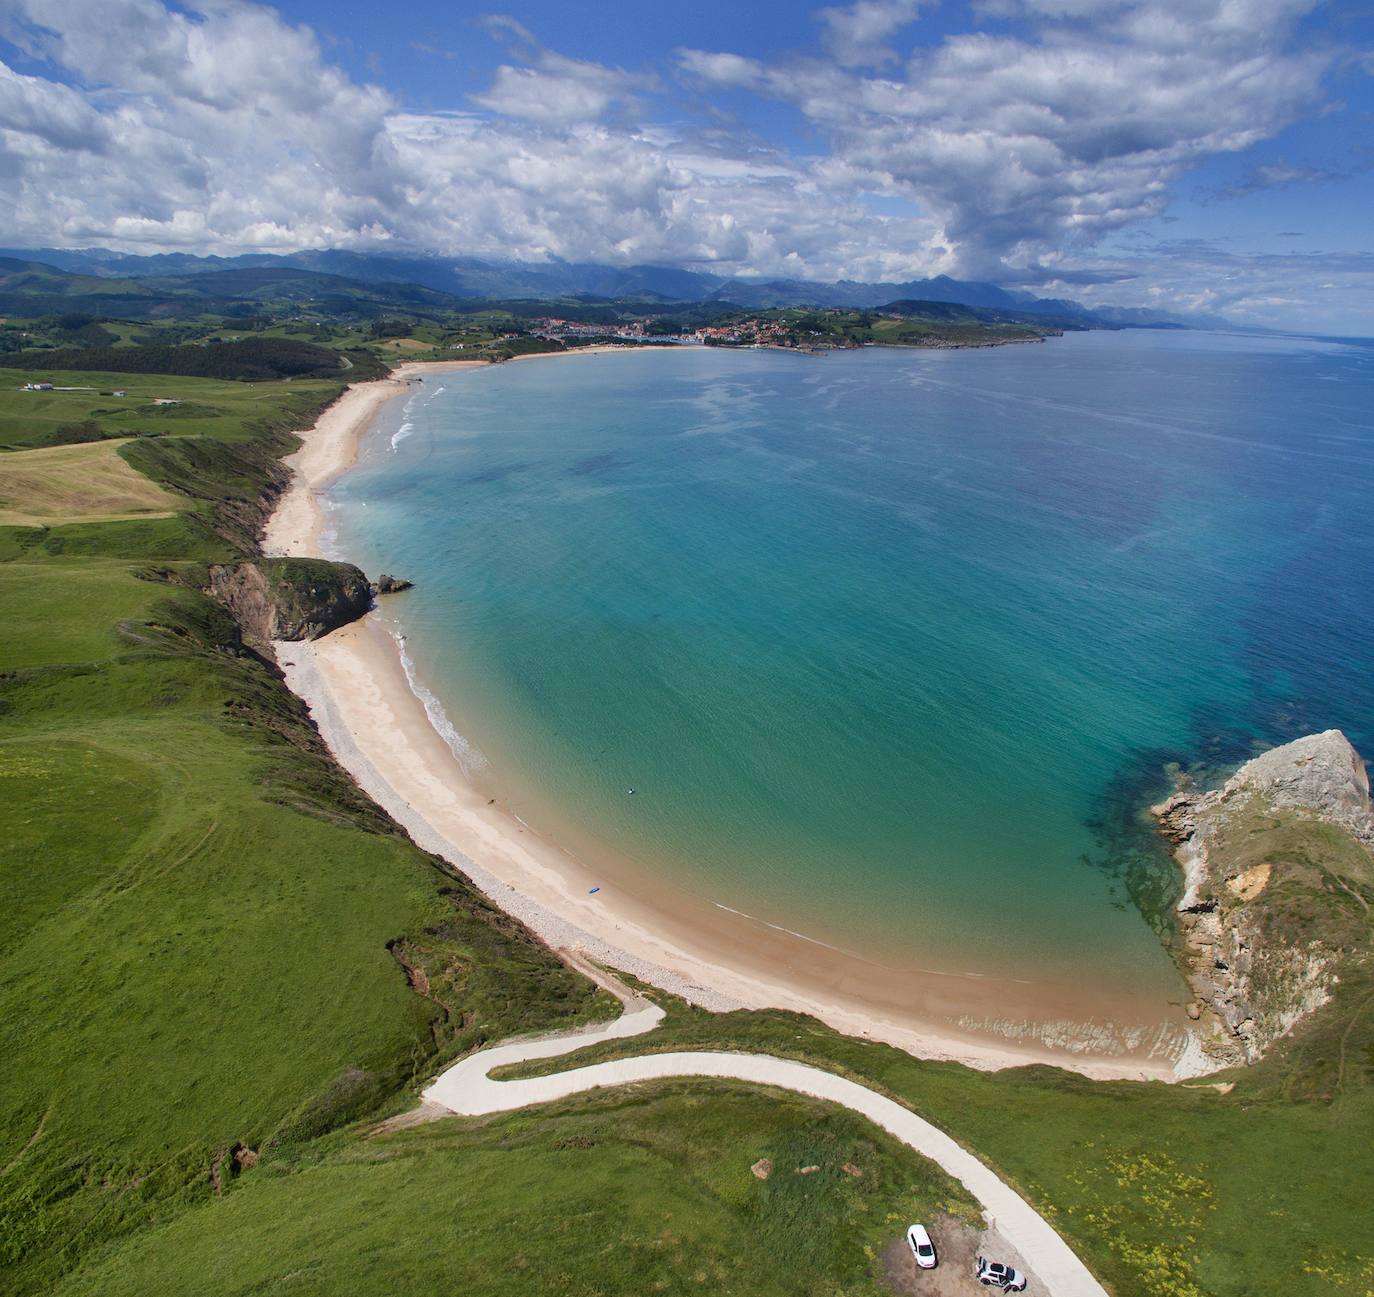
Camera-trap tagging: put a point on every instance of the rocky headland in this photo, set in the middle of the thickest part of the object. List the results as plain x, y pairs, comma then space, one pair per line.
1278, 881
289, 598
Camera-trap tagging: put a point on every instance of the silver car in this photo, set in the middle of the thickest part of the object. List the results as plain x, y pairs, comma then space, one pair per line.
993, 1274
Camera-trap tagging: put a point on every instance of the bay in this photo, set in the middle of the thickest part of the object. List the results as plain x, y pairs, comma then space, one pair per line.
893, 647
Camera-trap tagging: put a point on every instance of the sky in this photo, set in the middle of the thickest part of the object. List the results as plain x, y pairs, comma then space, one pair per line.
1192, 155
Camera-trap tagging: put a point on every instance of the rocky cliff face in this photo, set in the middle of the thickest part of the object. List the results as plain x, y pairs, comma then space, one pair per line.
1278, 878
290, 598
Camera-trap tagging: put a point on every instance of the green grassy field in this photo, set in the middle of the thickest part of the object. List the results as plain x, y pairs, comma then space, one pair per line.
88, 482
199, 906
905, 333
39, 634
920, 324
638, 1191
227, 411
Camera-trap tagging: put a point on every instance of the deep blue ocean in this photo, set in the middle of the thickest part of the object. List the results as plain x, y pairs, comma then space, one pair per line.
892, 646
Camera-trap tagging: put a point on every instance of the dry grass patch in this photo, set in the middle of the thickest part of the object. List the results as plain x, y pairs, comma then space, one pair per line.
84, 483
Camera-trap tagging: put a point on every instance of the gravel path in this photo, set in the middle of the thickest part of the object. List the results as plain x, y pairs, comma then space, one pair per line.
466, 1088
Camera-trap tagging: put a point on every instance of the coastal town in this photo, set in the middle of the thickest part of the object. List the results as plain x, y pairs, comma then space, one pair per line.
904, 324
752, 331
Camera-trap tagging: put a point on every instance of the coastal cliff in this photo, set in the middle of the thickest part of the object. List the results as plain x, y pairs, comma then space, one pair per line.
1278, 881
289, 598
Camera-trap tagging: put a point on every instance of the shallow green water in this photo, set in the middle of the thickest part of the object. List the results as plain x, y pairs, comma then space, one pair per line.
891, 646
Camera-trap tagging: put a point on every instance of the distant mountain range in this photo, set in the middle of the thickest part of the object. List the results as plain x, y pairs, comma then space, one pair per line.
467, 278
35, 287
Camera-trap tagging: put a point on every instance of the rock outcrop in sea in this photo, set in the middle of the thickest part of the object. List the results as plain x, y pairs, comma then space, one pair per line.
1278, 880
388, 584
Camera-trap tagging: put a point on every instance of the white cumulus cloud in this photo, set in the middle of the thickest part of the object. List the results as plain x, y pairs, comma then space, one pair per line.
857, 34
559, 89
1005, 153
1024, 145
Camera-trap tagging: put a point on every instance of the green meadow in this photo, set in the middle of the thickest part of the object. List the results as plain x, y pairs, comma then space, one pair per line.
227, 411
634, 1191
199, 906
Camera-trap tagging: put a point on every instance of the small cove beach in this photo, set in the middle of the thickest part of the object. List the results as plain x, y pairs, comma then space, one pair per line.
361, 687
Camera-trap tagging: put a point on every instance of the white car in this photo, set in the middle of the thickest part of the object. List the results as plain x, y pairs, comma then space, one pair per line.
993, 1274
921, 1247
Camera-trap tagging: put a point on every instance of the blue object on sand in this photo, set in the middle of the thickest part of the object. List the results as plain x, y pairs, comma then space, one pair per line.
595, 890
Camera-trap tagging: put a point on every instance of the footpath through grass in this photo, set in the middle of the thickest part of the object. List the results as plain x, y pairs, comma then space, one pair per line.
1165, 1190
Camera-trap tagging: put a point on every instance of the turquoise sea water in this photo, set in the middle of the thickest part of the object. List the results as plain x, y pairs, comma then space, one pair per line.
891, 646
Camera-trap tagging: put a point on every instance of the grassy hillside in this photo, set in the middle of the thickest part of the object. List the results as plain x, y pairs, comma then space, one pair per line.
254, 359
223, 411
1167, 1191
195, 953
902, 324
629, 1192
78, 483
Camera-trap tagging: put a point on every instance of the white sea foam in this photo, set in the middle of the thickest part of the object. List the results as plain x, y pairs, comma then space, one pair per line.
816, 941
329, 528
467, 755
402, 433
777, 927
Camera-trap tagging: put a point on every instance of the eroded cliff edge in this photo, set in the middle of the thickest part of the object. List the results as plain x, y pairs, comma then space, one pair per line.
1278, 884
289, 598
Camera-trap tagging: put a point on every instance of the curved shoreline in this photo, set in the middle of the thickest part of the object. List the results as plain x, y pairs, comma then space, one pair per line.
360, 697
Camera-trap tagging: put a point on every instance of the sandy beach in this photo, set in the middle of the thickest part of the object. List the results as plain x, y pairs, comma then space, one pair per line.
331, 448
355, 684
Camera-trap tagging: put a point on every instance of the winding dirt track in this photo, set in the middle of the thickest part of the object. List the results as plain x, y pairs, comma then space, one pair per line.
467, 1089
